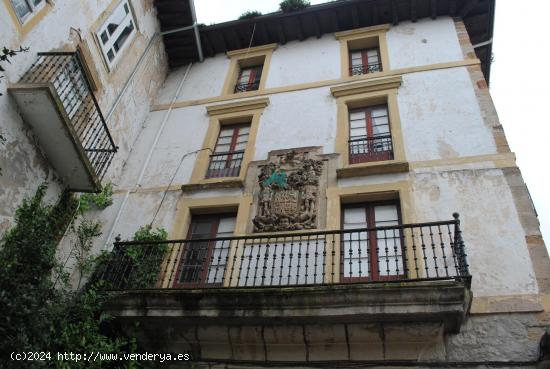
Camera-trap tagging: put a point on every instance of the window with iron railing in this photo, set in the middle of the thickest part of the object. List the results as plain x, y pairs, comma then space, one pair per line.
249, 79
227, 157
365, 61
376, 254
203, 262
369, 135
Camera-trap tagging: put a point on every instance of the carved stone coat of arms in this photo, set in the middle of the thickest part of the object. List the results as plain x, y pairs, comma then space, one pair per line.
288, 193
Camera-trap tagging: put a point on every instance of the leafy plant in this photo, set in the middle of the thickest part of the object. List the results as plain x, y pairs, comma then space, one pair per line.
6, 54
100, 200
293, 5
37, 313
250, 14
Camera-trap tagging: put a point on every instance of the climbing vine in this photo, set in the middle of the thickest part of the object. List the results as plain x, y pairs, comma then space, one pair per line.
41, 311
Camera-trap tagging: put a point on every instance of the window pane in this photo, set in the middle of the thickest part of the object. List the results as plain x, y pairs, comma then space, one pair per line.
124, 36
116, 19
21, 8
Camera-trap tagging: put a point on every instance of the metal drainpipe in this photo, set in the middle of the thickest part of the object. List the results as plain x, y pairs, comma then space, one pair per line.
196, 30
149, 155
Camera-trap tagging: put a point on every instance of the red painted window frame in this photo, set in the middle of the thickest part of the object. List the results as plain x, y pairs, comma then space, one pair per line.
372, 243
203, 278
371, 155
365, 59
254, 77
227, 171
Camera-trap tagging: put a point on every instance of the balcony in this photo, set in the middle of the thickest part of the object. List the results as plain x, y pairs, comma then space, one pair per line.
244, 87
417, 273
56, 100
226, 164
367, 149
358, 70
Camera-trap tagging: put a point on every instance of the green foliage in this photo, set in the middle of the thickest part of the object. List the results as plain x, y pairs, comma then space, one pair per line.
250, 14
7, 54
100, 200
143, 261
293, 5
40, 314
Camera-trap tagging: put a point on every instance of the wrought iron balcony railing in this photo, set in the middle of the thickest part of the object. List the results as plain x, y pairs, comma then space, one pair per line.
64, 70
243, 87
367, 149
365, 69
409, 252
226, 164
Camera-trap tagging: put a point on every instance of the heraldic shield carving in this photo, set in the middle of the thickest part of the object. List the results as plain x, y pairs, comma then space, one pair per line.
288, 195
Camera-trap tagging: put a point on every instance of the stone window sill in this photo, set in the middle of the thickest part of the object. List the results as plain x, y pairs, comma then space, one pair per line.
373, 168
213, 184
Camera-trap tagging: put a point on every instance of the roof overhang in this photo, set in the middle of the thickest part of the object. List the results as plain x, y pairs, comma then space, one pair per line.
184, 45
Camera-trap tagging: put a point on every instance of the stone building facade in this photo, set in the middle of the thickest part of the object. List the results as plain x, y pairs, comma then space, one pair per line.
345, 165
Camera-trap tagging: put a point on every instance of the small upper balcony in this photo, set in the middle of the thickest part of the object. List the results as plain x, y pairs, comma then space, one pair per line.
394, 276
56, 100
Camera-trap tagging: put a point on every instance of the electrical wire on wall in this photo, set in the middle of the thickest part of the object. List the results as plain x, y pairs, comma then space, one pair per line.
172, 180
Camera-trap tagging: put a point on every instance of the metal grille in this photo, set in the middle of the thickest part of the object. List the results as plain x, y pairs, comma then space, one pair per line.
365, 69
370, 149
243, 87
226, 164
425, 251
64, 70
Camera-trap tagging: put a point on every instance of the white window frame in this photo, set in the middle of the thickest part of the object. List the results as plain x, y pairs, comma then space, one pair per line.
108, 45
33, 9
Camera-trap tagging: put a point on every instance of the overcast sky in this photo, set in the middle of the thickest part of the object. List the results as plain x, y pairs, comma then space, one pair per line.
520, 83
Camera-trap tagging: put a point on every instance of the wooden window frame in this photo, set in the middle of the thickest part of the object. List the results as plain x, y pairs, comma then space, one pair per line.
363, 38
229, 171
247, 58
372, 247
365, 61
371, 155
203, 278
245, 111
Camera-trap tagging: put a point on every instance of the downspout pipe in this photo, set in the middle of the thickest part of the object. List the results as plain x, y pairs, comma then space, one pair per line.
147, 160
196, 30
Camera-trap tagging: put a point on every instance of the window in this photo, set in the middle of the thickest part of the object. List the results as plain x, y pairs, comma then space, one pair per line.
248, 69
369, 135
364, 61
116, 33
364, 50
203, 263
227, 158
24, 8
249, 79
371, 254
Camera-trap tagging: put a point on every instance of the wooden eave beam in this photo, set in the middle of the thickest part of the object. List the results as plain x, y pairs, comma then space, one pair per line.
413, 11
394, 12
433, 9
317, 26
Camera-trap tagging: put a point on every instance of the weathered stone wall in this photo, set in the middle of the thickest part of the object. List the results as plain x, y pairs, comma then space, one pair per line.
66, 25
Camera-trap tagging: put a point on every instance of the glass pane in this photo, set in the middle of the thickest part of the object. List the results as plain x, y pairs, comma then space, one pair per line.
104, 37
111, 55
384, 213
116, 19
21, 8
357, 115
354, 215
124, 36
227, 225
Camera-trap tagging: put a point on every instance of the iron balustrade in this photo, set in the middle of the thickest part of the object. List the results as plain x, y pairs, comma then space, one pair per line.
365, 69
225, 164
243, 87
65, 72
367, 149
408, 252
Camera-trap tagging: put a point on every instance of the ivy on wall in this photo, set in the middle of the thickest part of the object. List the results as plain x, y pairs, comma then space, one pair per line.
41, 312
